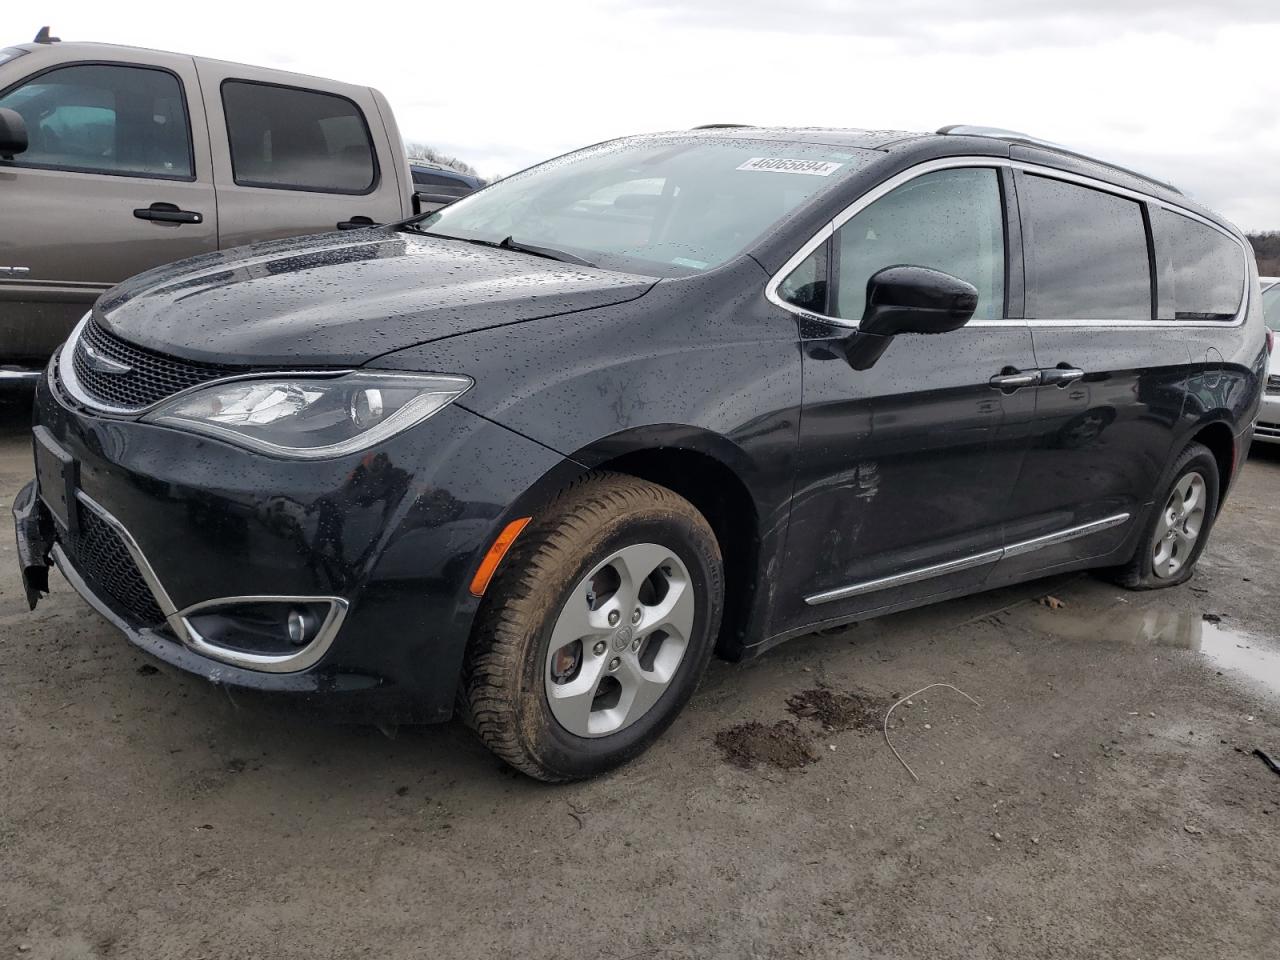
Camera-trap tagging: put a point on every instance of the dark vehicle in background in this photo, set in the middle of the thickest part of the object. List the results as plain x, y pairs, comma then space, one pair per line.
116, 159
543, 450
434, 185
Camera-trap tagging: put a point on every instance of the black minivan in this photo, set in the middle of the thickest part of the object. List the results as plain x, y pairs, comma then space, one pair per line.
539, 453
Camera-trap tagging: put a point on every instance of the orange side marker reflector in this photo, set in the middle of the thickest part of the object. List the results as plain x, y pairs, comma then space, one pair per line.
488, 566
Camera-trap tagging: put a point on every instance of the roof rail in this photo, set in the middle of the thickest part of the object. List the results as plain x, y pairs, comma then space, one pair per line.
720, 126
1014, 136
43, 37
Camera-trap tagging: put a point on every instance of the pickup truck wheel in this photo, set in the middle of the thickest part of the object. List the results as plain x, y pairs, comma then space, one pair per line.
1178, 529
595, 630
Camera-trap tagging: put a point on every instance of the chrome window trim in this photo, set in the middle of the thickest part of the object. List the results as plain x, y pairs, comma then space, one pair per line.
70, 384
977, 162
966, 563
190, 638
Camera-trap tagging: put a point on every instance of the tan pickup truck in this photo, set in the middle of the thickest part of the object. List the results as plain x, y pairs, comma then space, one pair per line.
115, 159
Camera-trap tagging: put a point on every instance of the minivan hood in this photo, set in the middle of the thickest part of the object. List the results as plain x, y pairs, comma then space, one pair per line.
344, 299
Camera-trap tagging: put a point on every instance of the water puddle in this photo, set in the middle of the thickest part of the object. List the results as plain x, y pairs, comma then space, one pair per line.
1233, 652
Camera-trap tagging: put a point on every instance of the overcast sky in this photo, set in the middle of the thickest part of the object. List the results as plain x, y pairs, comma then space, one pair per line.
1183, 89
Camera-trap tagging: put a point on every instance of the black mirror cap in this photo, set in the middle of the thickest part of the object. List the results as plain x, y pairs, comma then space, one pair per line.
13, 133
907, 299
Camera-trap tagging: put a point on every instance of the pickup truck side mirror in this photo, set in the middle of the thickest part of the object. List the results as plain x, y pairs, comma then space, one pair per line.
13, 133
907, 299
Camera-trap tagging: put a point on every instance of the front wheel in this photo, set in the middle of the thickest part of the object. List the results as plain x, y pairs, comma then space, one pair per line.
596, 628
1178, 530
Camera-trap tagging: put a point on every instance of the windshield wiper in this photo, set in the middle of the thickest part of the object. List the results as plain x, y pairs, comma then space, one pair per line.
551, 253
509, 243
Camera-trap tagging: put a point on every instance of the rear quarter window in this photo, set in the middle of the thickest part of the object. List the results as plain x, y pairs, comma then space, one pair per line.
1085, 253
1200, 270
288, 138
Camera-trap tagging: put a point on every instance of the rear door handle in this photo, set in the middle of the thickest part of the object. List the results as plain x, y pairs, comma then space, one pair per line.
357, 223
1060, 376
168, 213
1013, 379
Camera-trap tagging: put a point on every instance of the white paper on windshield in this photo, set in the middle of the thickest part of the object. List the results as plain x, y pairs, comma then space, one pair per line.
814, 168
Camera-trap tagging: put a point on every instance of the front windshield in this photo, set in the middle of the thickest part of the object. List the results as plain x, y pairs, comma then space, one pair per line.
669, 206
1271, 306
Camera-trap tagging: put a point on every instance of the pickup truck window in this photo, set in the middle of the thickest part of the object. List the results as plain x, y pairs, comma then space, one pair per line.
291, 139
105, 118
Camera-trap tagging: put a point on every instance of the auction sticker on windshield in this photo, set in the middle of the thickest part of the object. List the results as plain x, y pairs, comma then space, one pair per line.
815, 168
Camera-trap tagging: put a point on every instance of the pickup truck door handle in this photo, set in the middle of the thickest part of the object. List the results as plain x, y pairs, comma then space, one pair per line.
1060, 376
168, 213
1012, 379
357, 223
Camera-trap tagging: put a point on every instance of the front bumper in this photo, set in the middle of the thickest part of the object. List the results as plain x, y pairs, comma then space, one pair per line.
166, 521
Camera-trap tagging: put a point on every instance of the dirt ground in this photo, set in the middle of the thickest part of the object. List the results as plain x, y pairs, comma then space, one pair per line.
1101, 801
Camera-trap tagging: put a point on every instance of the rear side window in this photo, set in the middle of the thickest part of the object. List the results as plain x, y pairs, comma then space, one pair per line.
1199, 270
1085, 253
951, 220
440, 183
105, 118
293, 139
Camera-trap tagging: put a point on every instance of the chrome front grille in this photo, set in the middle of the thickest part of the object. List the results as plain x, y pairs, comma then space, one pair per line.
119, 375
1273, 383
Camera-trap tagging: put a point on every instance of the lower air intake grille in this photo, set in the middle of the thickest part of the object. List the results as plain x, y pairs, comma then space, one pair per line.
118, 374
104, 561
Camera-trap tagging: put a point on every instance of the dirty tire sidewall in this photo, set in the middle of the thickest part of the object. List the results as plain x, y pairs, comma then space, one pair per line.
583, 527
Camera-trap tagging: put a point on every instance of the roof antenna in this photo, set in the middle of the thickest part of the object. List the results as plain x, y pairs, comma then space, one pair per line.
43, 36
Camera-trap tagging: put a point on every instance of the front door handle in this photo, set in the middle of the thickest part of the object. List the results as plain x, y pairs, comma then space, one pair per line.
1060, 376
357, 223
1013, 379
168, 213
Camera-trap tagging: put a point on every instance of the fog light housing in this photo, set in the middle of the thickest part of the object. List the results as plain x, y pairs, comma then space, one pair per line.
276, 634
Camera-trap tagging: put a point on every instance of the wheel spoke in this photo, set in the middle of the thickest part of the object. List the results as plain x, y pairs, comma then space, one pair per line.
1162, 528
674, 613
1185, 543
577, 621
635, 563
641, 689
571, 702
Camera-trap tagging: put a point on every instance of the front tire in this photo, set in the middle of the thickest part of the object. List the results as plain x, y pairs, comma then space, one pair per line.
1178, 529
595, 630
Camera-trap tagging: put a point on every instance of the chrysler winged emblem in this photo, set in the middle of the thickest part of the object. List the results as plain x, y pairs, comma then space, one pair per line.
101, 363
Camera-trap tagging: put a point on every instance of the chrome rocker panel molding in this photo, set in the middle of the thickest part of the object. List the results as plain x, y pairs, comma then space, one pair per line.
180, 624
966, 563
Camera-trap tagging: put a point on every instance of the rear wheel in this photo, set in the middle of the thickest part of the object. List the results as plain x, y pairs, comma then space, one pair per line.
1178, 530
596, 628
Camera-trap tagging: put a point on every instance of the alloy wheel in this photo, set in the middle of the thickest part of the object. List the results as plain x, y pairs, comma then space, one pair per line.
1179, 527
619, 640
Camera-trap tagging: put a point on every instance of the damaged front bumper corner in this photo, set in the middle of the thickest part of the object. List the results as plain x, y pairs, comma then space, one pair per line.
33, 527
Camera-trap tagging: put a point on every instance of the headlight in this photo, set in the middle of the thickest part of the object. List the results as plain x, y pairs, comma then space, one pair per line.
310, 418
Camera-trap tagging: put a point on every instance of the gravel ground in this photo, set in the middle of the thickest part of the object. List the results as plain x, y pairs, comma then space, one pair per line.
1101, 801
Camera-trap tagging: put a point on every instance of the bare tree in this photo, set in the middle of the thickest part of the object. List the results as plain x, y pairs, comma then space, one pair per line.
1266, 247
429, 154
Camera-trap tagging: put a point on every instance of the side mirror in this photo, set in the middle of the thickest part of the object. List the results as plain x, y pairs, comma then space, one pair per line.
906, 299
13, 133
